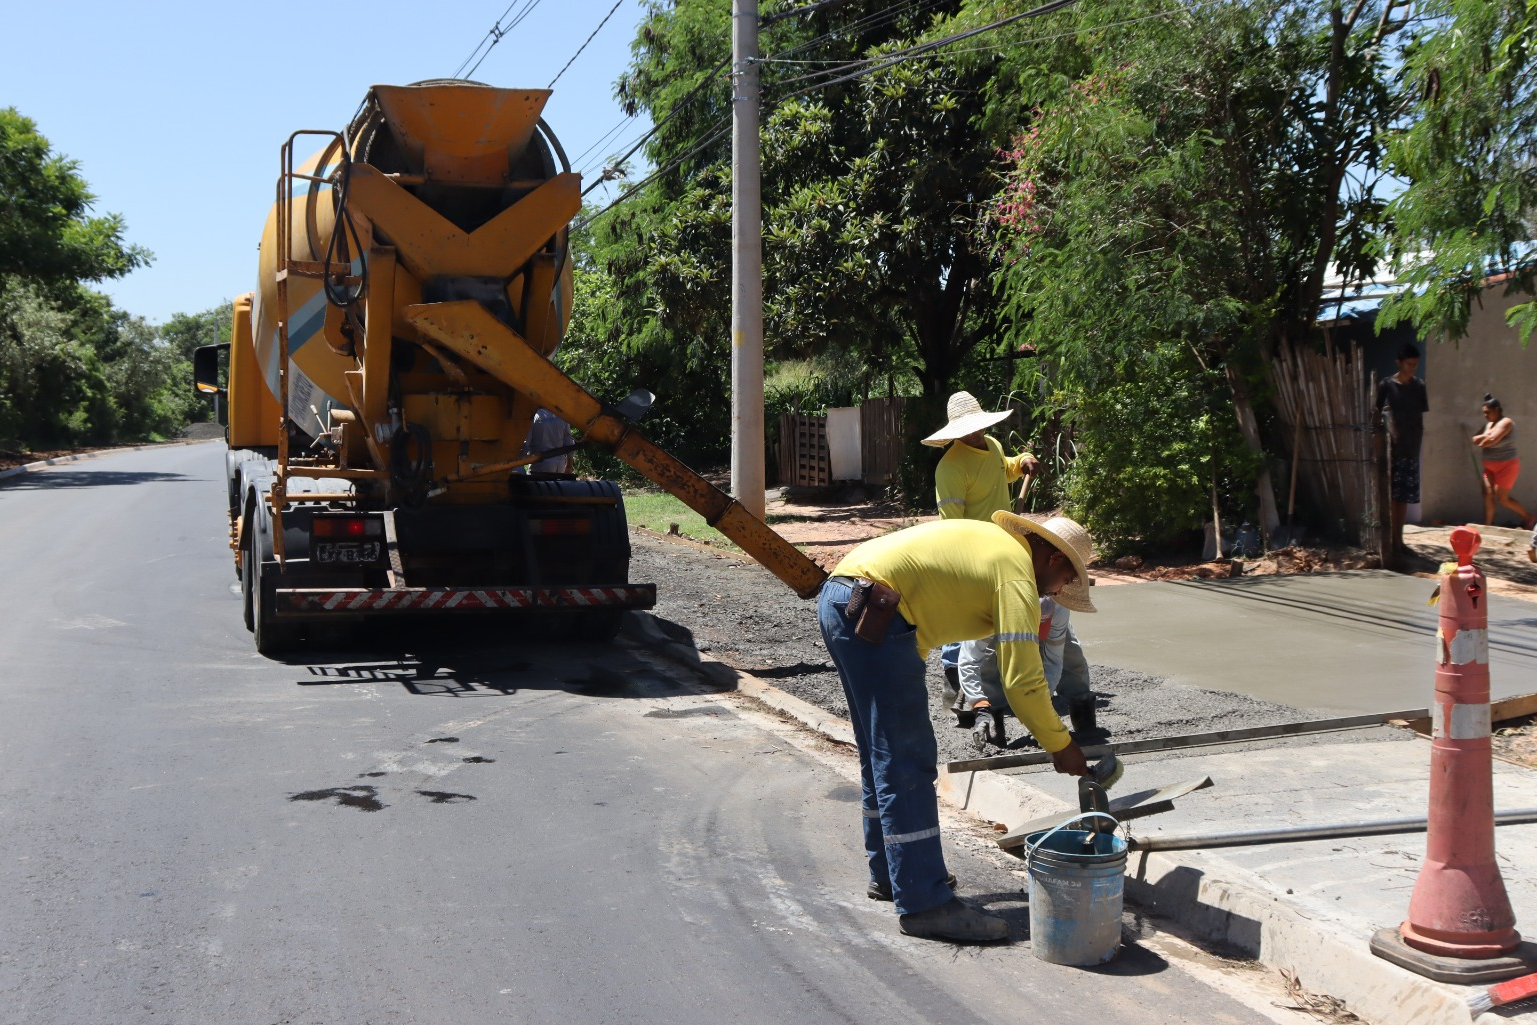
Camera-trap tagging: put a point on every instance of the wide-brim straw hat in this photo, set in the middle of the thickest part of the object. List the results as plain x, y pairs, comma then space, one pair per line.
966, 417
1068, 538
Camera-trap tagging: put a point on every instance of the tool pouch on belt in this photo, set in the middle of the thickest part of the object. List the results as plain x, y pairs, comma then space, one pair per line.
871, 607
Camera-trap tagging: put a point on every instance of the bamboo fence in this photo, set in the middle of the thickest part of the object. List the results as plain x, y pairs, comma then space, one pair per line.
1324, 398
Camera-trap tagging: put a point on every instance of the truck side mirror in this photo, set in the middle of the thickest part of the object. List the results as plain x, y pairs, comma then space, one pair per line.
205, 368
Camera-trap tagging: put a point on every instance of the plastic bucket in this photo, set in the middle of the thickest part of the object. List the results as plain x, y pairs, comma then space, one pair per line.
1077, 886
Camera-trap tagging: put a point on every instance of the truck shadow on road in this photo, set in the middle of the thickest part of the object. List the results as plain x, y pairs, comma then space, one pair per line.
459, 663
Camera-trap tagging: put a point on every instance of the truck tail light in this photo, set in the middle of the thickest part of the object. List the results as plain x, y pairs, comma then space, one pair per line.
347, 528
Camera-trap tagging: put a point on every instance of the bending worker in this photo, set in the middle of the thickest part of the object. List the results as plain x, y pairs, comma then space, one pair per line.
1067, 670
971, 483
888, 602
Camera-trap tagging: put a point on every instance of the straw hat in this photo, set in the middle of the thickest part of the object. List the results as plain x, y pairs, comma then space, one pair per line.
1068, 538
966, 417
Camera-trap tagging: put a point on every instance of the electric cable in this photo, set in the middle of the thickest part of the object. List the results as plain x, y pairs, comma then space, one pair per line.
860, 68
868, 23
677, 108
604, 138
495, 35
1002, 47
590, 38
878, 64
654, 175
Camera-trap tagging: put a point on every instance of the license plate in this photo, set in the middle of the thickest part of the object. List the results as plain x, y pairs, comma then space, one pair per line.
346, 551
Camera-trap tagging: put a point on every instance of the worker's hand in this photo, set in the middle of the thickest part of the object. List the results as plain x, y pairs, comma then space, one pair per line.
1070, 760
1031, 466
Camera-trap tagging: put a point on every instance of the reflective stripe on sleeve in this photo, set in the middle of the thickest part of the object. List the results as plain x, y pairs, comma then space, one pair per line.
1025, 636
870, 813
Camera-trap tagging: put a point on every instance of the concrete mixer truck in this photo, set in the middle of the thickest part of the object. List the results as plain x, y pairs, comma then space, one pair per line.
414, 279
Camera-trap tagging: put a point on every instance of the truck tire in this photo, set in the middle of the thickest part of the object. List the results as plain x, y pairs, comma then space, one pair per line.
272, 636
248, 581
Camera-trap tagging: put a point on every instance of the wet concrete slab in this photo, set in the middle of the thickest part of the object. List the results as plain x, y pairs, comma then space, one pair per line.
1351, 642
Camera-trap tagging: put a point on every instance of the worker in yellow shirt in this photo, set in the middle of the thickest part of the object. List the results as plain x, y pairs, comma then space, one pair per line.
888, 602
971, 483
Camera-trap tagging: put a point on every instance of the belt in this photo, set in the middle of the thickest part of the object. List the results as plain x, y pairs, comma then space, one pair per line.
848, 581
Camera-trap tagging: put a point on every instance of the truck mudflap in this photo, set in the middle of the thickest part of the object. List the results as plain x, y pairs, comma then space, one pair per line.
322, 600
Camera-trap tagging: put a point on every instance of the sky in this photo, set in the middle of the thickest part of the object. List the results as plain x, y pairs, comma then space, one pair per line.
176, 112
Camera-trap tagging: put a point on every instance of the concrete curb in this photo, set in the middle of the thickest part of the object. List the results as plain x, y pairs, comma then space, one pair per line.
76, 457
1212, 902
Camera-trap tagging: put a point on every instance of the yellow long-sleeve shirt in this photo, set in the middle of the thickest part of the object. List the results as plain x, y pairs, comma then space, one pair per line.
973, 483
961, 580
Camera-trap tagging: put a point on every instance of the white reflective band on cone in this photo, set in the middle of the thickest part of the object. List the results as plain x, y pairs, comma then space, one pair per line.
1468, 722
1470, 646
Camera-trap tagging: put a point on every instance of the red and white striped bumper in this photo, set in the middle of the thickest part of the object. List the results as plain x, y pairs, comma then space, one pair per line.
312, 600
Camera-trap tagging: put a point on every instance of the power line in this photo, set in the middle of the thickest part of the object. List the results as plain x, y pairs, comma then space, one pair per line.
590, 38
677, 108
865, 67
494, 35
721, 128
605, 137
769, 19
880, 63
868, 23
1001, 47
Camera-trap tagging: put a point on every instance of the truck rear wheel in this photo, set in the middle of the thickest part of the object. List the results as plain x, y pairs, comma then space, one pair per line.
273, 637
248, 583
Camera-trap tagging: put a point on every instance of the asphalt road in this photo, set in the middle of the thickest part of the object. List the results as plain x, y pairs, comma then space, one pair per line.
447, 826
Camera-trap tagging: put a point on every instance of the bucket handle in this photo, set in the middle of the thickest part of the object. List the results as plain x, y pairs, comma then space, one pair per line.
1031, 849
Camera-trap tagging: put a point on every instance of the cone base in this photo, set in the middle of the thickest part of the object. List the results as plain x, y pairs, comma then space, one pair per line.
1389, 945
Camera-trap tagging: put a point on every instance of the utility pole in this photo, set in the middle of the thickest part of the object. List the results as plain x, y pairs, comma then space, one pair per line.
747, 482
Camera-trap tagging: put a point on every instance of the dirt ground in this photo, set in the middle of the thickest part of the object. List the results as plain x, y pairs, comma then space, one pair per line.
10, 458
828, 528
736, 612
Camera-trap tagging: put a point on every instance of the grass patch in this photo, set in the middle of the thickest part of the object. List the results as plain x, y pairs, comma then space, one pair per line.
657, 510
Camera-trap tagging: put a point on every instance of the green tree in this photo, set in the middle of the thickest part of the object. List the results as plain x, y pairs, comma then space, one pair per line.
1191, 189
52, 389
185, 332
872, 192
57, 337
1468, 159
46, 232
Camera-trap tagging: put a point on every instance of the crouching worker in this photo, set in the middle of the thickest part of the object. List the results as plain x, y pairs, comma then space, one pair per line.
884, 607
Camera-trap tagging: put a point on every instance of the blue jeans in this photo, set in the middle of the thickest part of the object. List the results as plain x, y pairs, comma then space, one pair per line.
889, 708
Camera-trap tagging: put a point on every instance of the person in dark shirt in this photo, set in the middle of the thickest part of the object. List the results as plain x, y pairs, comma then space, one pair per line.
1407, 403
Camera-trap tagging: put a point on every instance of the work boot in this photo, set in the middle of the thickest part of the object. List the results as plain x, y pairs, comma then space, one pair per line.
965, 715
882, 891
1080, 711
950, 693
988, 728
957, 922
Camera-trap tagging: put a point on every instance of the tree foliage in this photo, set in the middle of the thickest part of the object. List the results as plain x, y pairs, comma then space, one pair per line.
1470, 159
73, 369
1190, 190
46, 231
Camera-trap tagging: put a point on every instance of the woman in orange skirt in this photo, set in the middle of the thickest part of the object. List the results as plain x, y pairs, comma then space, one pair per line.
1501, 466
